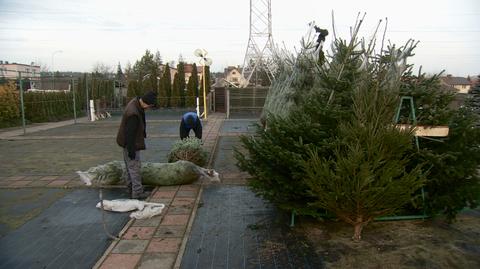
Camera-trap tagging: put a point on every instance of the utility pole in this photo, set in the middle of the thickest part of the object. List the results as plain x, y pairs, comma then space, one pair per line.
74, 103
53, 70
204, 61
21, 102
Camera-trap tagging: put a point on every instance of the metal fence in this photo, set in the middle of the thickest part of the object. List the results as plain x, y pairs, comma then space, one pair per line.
240, 101
46, 99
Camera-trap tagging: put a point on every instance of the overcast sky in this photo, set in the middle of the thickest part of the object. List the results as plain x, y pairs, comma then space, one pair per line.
91, 31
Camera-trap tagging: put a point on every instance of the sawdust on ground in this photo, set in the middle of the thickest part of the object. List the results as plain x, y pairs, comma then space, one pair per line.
431, 243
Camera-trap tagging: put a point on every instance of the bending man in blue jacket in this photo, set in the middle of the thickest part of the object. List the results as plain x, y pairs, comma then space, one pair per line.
190, 121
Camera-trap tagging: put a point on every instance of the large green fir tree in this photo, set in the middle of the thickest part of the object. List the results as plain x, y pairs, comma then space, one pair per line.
365, 177
192, 88
315, 130
453, 161
182, 85
167, 85
175, 99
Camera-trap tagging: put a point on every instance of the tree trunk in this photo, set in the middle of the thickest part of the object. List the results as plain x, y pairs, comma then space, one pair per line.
357, 235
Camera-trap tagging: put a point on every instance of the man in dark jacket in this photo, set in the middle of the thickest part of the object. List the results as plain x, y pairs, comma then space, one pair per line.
131, 137
190, 121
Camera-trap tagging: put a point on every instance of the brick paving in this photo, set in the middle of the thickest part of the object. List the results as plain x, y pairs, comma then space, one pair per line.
159, 242
155, 241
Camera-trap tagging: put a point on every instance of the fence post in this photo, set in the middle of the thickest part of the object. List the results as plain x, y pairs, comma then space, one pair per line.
92, 110
227, 102
21, 102
74, 103
88, 102
254, 101
213, 105
113, 104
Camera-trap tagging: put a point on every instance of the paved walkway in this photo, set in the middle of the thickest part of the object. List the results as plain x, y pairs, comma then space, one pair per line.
13, 132
159, 242
66, 233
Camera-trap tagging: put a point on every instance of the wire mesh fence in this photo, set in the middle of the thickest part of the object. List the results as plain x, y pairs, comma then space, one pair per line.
24, 101
27, 100
245, 101
32, 100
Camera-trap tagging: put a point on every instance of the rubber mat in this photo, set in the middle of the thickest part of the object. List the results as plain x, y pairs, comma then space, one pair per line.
235, 229
18, 206
69, 233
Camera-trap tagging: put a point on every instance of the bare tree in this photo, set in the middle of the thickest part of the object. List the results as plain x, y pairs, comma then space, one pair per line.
128, 71
102, 69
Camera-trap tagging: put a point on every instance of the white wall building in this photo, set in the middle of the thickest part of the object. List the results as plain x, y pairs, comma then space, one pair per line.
10, 70
462, 84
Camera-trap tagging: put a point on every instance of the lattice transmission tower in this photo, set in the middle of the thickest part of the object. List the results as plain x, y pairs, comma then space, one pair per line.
259, 55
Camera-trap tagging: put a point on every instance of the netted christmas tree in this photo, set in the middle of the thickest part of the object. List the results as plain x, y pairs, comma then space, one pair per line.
188, 149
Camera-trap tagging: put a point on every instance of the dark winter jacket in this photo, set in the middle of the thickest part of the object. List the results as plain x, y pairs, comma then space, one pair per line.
190, 121
132, 132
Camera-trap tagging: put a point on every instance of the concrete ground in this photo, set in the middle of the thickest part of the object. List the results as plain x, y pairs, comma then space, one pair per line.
43, 202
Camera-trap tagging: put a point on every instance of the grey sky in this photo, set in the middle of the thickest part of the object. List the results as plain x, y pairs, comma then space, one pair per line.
115, 31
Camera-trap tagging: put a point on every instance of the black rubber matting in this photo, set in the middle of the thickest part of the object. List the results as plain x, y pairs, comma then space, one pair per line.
235, 229
239, 126
67, 234
18, 206
224, 161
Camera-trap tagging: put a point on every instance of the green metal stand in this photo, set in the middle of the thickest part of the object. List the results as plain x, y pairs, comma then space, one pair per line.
292, 219
413, 117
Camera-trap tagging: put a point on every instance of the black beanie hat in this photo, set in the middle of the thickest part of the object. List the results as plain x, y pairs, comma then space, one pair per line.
150, 98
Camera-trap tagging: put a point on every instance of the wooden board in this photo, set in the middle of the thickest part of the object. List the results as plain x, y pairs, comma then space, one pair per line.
427, 130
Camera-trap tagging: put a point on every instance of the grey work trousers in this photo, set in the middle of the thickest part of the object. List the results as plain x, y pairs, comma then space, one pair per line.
132, 172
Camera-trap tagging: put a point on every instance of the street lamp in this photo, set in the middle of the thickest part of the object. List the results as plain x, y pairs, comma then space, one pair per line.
53, 70
204, 61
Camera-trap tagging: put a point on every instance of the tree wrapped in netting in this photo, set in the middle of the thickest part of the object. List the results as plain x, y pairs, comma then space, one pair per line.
188, 149
156, 174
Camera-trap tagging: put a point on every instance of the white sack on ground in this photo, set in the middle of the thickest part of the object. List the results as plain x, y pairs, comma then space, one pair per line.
157, 174
143, 210
122, 205
148, 212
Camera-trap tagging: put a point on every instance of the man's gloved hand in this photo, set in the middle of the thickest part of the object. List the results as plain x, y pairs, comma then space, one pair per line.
131, 155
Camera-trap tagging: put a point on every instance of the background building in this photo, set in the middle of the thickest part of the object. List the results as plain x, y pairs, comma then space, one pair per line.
10, 70
462, 84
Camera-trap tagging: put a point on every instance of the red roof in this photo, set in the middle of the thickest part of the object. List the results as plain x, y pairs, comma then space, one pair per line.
189, 68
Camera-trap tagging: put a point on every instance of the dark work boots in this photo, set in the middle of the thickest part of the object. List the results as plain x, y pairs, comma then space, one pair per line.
141, 196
